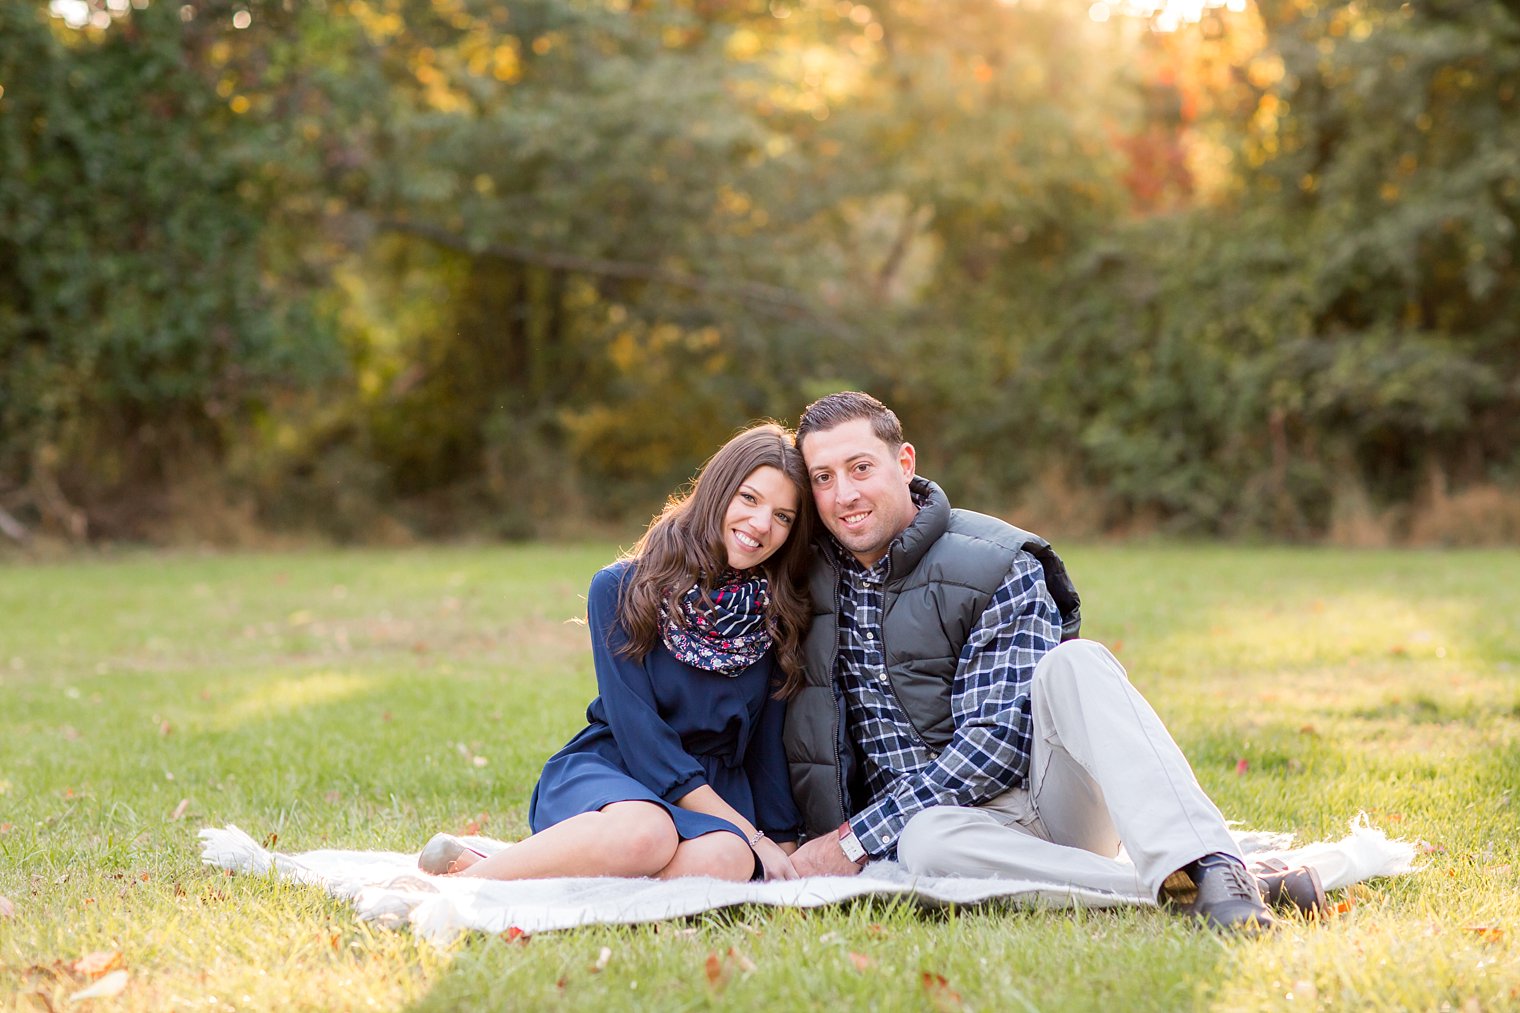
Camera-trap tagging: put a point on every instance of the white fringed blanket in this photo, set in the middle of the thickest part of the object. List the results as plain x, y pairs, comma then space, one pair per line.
385, 886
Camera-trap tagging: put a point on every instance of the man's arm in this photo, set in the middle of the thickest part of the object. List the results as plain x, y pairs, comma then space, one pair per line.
989, 752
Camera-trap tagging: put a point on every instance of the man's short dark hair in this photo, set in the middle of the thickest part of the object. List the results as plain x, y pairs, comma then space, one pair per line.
847, 406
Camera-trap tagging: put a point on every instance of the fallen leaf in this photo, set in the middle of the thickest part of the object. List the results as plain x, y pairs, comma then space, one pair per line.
6, 828
7, 909
1487, 933
271, 840
385, 715
1494, 870
861, 961
516, 935
165, 728
938, 991
111, 985
745, 964
179, 810
1426, 848
601, 960
1308, 730
1241, 765
1398, 650
93, 965
717, 972
876, 930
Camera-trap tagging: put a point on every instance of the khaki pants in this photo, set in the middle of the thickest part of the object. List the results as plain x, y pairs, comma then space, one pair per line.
1104, 771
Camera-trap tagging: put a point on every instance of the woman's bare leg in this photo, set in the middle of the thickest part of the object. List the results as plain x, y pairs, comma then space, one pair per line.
720, 854
621, 839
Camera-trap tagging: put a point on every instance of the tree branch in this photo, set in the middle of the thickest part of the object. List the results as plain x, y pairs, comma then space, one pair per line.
771, 296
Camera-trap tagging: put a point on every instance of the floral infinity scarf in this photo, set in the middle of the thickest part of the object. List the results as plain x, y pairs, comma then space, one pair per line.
728, 637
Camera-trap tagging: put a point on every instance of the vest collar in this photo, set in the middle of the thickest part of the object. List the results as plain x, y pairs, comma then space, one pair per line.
931, 521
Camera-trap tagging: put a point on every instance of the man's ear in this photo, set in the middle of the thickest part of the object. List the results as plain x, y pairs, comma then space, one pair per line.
907, 460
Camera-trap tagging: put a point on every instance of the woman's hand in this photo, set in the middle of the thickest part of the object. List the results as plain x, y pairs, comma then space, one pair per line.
774, 861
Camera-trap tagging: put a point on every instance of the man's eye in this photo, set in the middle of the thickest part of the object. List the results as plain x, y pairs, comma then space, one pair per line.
820, 479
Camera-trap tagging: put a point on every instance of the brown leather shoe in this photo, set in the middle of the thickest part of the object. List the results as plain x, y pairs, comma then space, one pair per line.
1289, 889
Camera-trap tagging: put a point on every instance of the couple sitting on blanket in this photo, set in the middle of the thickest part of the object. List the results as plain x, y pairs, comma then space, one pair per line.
904, 683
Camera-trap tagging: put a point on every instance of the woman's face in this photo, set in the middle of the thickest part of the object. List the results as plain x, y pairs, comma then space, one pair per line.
759, 517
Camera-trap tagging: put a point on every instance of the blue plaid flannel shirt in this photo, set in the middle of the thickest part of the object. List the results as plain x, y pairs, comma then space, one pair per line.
989, 752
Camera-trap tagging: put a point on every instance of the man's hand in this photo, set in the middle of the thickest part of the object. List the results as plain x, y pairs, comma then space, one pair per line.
822, 856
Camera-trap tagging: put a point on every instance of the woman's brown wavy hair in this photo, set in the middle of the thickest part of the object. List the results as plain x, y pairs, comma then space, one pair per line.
684, 546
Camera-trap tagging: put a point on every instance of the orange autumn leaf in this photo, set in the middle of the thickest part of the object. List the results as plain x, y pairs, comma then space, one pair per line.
861, 961
1487, 933
737, 956
938, 991
93, 965
717, 972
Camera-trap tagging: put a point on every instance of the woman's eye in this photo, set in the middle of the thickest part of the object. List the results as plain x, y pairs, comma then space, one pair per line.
785, 519
747, 497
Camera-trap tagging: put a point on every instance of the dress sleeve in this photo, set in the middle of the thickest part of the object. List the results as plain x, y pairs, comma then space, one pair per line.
765, 764
651, 749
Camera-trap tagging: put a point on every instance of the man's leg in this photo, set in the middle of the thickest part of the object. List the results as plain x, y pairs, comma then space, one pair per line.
1105, 769
1003, 840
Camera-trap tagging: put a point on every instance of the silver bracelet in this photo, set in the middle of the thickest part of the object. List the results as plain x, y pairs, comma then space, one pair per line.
759, 836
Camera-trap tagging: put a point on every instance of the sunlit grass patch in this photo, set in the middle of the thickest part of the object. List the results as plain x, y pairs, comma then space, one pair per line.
366, 699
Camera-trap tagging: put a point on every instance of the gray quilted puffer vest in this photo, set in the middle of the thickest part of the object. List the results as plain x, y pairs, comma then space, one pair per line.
944, 569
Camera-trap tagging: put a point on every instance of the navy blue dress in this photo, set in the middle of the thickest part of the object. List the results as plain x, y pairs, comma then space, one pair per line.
660, 728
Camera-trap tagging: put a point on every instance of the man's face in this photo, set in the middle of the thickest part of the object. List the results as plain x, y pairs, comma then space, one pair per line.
860, 486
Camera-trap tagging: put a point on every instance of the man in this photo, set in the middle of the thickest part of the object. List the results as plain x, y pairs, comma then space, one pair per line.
944, 722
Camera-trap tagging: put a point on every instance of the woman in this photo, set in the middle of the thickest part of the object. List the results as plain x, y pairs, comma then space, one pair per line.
696, 640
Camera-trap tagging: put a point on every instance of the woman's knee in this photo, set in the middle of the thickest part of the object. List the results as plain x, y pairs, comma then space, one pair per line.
640, 837
721, 855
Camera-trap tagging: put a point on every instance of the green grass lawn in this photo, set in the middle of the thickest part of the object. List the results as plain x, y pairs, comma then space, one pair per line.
367, 699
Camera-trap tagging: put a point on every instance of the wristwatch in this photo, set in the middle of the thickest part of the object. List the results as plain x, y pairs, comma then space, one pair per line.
850, 844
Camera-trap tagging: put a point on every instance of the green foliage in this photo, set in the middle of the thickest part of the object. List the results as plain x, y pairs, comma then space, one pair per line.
491, 266
138, 324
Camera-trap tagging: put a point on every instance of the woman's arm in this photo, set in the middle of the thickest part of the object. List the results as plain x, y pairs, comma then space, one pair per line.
773, 855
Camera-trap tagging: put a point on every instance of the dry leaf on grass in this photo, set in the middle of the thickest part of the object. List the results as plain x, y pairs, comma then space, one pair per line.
601, 960
1487, 933
861, 961
111, 985
7, 909
939, 993
717, 972
93, 965
737, 955
179, 810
